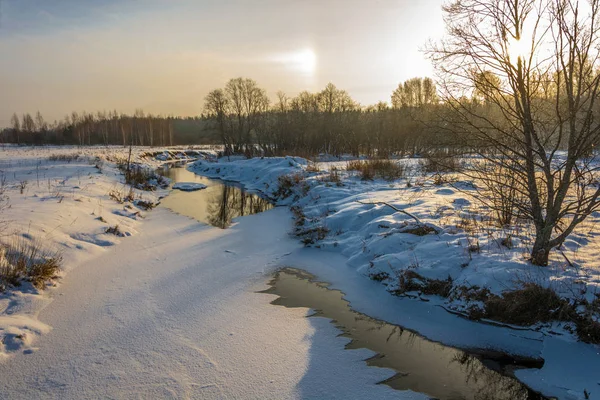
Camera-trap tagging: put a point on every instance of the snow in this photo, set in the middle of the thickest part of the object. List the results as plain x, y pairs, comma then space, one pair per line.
189, 186
258, 174
363, 240
65, 204
170, 308
173, 312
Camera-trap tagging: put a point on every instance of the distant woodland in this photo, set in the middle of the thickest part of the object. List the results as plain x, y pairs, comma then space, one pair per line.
243, 119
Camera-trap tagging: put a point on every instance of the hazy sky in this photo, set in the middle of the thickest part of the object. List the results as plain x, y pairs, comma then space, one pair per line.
164, 55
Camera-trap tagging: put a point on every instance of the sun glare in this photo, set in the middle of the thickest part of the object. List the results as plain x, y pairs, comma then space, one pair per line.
517, 48
304, 61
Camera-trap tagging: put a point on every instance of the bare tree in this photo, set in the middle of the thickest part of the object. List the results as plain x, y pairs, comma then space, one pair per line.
216, 105
543, 137
15, 122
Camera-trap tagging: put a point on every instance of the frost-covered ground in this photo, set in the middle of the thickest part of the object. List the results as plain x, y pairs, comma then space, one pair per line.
371, 241
168, 310
62, 199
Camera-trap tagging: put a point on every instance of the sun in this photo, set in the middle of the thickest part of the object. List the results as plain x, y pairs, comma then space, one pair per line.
305, 60
517, 48
302, 60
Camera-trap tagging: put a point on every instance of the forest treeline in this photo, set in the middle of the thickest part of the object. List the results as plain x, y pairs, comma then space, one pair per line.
329, 121
243, 119
103, 128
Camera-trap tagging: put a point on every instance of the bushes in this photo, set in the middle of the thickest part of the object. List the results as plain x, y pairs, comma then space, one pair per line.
140, 177
371, 169
528, 305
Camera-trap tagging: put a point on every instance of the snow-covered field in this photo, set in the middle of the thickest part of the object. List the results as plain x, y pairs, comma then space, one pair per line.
373, 242
63, 206
169, 310
168, 307
62, 199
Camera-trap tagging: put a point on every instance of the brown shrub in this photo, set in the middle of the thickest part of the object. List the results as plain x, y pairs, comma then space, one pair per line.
370, 169
588, 330
529, 305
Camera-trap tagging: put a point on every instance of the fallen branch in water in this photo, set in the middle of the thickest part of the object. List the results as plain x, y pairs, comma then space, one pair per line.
393, 208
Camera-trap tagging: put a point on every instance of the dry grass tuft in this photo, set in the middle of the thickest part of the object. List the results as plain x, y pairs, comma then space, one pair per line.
312, 167
371, 169
288, 183
120, 196
528, 305
23, 259
410, 281
114, 230
64, 157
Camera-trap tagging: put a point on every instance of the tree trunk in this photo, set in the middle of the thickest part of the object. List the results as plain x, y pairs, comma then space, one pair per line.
541, 247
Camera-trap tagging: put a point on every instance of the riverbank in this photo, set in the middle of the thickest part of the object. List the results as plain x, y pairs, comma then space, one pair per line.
372, 246
170, 310
173, 313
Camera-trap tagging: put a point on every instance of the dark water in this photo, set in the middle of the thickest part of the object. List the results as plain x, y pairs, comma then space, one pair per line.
423, 366
216, 205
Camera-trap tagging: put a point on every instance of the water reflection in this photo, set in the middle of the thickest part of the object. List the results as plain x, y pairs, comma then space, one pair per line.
216, 205
233, 202
439, 371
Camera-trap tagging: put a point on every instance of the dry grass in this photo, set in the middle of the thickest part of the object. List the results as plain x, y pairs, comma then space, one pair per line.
22, 186
64, 157
438, 162
588, 330
122, 196
332, 177
312, 235
371, 169
144, 205
410, 281
140, 177
24, 259
299, 217
288, 183
419, 230
528, 305
312, 167
114, 230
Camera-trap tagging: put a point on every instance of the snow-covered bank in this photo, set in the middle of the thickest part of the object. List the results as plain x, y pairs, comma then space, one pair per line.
373, 241
173, 313
61, 199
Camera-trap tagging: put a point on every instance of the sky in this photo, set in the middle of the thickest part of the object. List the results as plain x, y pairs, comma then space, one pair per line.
164, 56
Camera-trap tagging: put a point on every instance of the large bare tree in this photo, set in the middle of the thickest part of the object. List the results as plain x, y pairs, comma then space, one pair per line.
535, 62
239, 110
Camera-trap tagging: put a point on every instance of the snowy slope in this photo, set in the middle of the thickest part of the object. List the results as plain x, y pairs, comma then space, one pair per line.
172, 313
368, 240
